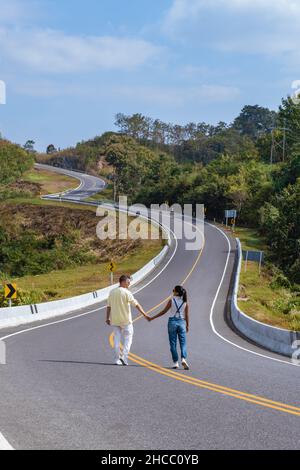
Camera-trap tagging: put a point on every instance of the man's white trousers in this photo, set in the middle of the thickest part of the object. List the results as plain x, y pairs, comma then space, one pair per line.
124, 335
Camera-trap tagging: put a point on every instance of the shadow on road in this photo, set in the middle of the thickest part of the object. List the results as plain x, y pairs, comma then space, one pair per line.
86, 363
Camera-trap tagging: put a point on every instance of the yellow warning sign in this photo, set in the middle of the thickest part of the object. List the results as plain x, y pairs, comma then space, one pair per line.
10, 291
112, 267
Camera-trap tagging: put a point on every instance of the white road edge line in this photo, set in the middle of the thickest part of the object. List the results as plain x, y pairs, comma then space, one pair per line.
97, 309
4, 444
212, 312
37, 165
3, 441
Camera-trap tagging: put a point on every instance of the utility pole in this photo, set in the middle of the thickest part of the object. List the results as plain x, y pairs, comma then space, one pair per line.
115, 188
272, 146
281, 144
284, 141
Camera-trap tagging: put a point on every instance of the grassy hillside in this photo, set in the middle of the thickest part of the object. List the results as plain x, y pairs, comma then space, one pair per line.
49, 182
51, 249
268, 297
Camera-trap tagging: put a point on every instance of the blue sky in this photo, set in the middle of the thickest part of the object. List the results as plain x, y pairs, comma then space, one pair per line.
71, 65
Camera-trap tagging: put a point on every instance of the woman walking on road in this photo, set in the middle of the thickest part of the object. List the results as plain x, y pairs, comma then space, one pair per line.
178, 324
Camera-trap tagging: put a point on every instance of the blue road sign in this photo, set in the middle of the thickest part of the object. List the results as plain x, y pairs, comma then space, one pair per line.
231, 214
256, 256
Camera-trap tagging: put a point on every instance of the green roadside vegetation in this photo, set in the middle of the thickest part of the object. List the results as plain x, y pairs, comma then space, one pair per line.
250, 239
36, 201
250, 165
268, 297
51, 249
223, 166
87, 278
107, 195
49, 182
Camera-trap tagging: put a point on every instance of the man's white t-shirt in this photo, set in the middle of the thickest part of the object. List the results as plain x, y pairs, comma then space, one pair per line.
120, 301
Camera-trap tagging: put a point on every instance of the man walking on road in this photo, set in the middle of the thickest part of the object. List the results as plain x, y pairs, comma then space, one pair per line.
118, 315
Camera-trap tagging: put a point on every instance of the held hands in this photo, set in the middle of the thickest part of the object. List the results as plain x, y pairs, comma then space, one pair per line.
147, 318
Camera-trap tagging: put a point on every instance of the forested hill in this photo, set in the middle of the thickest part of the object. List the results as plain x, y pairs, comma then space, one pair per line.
192, 143
252, 165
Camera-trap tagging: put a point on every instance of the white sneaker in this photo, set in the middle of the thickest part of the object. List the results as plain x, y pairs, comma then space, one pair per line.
124, 361
185, 364
175, 365
118, 362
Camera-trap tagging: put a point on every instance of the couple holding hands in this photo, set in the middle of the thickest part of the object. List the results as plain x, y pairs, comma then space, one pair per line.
118, 315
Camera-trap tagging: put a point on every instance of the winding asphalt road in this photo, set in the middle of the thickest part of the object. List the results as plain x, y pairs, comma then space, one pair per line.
89, 185
59, 389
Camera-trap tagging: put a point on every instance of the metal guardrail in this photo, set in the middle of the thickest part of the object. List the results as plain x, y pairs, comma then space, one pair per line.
275, 339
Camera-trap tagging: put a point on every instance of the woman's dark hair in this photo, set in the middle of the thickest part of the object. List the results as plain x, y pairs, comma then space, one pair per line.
181, 292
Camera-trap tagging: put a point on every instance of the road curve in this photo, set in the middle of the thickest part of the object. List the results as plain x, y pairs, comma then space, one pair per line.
60, 390
89, 185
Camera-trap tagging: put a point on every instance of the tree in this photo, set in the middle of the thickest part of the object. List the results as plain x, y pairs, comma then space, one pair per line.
238, 190
51, 149
220, 127
159, 132
289, 117
14, 161
136, 126
254, 120
280, 222
29, 146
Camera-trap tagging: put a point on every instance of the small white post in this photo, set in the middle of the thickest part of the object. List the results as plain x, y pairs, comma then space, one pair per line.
246, 260
260, 262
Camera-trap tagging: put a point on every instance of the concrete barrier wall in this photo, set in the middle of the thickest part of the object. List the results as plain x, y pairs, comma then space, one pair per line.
15, 316
275, 339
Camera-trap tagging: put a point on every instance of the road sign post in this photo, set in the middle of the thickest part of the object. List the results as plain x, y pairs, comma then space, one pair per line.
112, 267
10, 292
230, 214
246, 260
260, 262
254, 256
233, 225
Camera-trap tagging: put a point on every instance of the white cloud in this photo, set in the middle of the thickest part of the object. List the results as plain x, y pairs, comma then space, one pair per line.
179, 97
49, 89
256, 26
158, 95
16, 11
182, 10
55, 52
9, 11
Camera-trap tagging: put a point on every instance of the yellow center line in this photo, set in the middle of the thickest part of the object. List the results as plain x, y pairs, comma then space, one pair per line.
203, 383
261, 401
294, 410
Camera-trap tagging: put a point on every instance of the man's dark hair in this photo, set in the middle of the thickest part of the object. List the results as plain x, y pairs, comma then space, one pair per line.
124, 278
